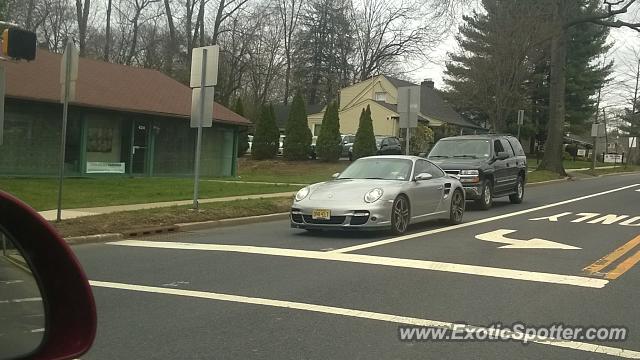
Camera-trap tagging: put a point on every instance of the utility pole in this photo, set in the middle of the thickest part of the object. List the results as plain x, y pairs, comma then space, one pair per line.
595, 135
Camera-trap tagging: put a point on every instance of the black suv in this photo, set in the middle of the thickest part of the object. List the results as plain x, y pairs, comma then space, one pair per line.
388, 145
488, 166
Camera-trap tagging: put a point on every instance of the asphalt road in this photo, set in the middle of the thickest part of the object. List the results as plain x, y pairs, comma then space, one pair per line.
265, 291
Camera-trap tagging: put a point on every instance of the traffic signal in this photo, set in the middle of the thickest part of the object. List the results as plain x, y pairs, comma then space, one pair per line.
19, 44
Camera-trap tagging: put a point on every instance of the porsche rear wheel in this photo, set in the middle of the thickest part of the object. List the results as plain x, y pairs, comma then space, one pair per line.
400, 215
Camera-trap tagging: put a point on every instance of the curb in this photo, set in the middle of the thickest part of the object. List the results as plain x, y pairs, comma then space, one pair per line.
231, 222
76, 240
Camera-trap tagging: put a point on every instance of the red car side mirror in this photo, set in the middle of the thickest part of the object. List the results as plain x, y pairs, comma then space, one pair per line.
50, 310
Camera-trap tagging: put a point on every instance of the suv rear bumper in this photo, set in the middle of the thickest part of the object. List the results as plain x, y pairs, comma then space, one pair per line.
473, 191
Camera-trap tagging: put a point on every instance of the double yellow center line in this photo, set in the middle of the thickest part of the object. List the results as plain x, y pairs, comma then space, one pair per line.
597, 267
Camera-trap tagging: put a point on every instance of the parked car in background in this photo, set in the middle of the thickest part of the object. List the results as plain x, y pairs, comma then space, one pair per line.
388, 145
347, 145
380, 192
489, 166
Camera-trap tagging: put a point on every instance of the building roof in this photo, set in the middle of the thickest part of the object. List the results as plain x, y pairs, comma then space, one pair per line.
107, 86
282, 112
399, 82
432, 104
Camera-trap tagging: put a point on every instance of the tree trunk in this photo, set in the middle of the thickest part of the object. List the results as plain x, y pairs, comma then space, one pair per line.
172, 49
553, 148
29, 21
201, 20
107, 42
82, 13
286, 80
218, 21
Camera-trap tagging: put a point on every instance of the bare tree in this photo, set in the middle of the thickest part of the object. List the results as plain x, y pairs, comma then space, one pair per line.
107, 36
387, 31
82, 15
226, 8
138, 8
289, 11
563, 16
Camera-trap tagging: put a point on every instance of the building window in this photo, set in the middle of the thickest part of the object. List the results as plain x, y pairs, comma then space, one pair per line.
381, 96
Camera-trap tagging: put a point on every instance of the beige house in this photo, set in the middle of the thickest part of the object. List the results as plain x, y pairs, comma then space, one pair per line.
380, 93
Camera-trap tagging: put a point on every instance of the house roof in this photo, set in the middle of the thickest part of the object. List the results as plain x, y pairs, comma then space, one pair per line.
432, 105
399, 82
282, 112
107, 86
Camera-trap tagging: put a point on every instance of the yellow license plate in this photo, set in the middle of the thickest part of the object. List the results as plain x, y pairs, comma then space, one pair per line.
321, 214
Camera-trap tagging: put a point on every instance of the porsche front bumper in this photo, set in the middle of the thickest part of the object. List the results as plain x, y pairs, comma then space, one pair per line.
346, 217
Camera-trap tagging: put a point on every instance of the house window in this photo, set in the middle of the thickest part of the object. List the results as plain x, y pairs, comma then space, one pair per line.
381, 96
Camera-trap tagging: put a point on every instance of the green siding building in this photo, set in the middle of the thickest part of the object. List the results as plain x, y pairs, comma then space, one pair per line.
124, 120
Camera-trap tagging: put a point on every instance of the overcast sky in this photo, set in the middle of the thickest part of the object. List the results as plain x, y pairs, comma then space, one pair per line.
625, 54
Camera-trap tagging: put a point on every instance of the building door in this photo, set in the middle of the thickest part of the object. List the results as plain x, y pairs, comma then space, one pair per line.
139, 148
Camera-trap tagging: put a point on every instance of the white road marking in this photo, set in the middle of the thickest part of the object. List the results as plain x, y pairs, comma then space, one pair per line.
638, 190
379, 260
20, 300
552, 218
476, 222
362, 314
37, 330
499, 237
584, 217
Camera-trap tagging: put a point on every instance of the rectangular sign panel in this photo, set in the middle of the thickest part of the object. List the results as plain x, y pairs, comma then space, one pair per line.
208, 107
97, 167
633, 142
613, 158
212, 66
582, 152
408, 106
520, 117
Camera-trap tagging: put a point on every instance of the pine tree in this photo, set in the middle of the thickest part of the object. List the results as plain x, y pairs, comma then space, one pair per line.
243, 134
365, 144
328, 145
298, 136
265, 140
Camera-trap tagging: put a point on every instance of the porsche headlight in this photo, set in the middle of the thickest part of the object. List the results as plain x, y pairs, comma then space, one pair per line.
302, 193
373, 195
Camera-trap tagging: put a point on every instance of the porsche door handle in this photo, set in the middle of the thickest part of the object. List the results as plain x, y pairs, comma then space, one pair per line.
440, 187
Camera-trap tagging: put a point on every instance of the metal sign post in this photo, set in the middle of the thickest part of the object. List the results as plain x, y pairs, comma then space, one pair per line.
520, 121
196, 180
408, 108
204, 65
68, 73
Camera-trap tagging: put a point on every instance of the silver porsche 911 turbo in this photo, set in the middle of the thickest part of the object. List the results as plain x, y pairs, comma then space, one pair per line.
380, 192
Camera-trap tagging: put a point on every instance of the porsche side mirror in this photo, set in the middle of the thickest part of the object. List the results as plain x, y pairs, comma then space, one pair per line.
48, 310
335, 176
423, 176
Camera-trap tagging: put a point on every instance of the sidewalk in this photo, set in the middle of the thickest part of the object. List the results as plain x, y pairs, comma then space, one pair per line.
581, 169
74, 213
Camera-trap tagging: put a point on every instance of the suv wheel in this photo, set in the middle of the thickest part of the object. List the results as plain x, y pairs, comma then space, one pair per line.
486, 197
519, 195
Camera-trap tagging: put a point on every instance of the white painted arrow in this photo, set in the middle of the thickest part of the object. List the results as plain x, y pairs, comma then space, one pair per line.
535, 243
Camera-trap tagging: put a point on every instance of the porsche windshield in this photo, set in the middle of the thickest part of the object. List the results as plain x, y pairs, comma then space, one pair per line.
378, 168
462, 148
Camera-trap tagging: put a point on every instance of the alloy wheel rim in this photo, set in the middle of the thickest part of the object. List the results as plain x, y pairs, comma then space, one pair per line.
487, 194
457, 207
520, 189
401, 214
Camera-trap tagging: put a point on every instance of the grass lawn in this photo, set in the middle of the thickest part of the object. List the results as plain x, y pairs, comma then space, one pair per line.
139, 219
41, 193
280, 170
